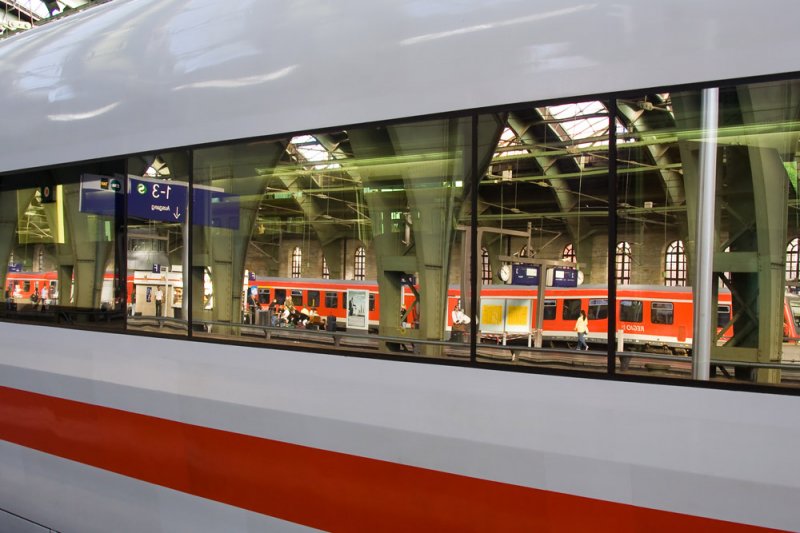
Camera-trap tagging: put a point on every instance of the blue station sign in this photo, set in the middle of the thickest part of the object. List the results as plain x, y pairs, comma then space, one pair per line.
157, 200
162, 200
565, 277
101, 195
525, 274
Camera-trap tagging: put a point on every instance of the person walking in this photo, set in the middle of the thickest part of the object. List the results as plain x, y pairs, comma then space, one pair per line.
582, 328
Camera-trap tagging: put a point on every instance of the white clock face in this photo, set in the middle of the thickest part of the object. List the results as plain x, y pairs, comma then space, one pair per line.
505, 272
580, 277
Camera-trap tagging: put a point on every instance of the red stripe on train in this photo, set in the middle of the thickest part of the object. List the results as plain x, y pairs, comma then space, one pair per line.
318, 488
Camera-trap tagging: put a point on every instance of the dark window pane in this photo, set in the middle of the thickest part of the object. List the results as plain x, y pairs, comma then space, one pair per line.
280, 296
331, 299
313, 298
297, 297
661, 313
549, 310
598, 309
630, 311
572, 310
723, 315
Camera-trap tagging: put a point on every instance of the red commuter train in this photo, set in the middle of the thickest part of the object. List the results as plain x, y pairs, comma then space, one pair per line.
649, 317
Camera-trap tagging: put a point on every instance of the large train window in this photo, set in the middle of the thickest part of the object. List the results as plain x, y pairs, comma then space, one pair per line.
549, 312
331, 299
598, 309
723, 315
662, 313
630, 310
571, 310
313, 298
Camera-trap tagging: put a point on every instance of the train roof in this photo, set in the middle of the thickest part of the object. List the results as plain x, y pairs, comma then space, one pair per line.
136, 75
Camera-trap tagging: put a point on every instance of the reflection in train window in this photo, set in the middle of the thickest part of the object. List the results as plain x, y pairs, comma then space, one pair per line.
331, 300
723, 315
598, 309
630, 310
371, 301
572, 309
297, 297
313, 298
662, 313
549, 310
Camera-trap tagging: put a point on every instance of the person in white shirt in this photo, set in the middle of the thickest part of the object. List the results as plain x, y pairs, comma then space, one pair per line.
458, 315
43, 296
582, 328
460, 321
159, 300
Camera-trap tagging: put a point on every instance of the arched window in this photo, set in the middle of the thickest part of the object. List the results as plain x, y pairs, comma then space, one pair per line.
569, 253
675, 265
523, 252
360, 265
486, 267
793, 259
326, 274
623, 262
297, 262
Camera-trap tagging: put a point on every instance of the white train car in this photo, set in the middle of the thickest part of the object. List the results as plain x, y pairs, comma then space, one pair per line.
129, 433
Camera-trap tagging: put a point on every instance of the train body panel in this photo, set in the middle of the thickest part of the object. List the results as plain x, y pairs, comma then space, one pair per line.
415, 420
253, 91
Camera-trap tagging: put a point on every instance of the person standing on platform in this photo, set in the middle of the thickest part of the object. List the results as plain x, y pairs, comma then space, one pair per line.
252, 304
460, 323
43, 296
159, 300
582, 328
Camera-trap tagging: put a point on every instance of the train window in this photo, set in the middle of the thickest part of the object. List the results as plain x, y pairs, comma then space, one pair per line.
571, 310
795, 307
549, 312
313, 298
82, 204
297, 297
598, 309
331, 300
280, 296
263, 296
723, 315
371, 301
662, 313
630, 310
